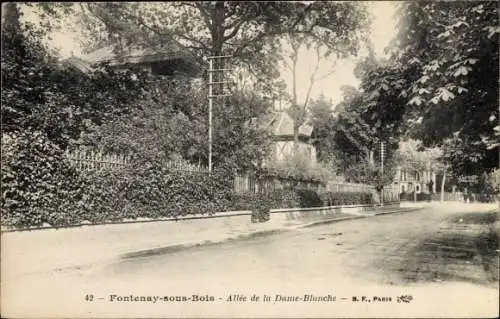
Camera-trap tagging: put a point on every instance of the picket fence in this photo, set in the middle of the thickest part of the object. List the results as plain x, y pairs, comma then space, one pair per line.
90, 159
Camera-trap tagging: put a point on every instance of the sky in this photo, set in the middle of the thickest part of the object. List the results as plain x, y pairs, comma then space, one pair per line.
382, 31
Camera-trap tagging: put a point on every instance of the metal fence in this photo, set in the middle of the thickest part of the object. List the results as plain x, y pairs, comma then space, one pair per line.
251, 184
350, 187
248, 183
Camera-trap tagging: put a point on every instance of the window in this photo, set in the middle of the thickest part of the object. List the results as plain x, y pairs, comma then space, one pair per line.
403, 174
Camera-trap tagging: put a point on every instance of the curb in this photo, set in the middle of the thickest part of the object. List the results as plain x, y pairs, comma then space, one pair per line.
331, 221
173, 248
249, 235
206, 243
405, 210
258, 233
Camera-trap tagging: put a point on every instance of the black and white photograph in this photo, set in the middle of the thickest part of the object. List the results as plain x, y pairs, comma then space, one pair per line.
250, 159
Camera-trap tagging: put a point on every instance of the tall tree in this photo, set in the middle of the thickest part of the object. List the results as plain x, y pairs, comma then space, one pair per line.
441, 80
247, 31
298, 45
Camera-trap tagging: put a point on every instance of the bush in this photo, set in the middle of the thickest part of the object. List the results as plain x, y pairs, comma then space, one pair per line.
38, 183
261, 203
299, 166
308, 198
346, 198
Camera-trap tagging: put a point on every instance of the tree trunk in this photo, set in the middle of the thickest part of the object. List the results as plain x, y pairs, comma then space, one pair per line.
296, 127
442, 185
217, 29
11, 19
295, 106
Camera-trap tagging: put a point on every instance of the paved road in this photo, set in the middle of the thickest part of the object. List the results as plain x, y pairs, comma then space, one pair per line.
445, 259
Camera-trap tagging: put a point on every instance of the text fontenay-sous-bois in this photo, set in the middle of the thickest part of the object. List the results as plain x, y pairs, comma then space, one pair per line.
235, 298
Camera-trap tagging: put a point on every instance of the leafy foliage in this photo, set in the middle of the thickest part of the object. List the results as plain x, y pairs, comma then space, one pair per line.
38, 183
494, 180
349, 139
299, 166
299, 197
148, 189
430, 89
412, 154
171, 122
441, 79
248, 31
323, 123
39, 93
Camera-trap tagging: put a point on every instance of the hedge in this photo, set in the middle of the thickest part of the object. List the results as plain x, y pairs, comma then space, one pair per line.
38, 183
151, 191
347, 198
261, 203
39, 186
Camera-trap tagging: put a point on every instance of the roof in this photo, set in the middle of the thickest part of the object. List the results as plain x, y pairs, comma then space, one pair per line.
134, 55
281, 125
78, 63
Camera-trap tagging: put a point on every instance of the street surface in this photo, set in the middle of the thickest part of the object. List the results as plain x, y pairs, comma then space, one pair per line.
444, 258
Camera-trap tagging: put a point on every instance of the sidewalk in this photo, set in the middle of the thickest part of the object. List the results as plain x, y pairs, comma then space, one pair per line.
24, 253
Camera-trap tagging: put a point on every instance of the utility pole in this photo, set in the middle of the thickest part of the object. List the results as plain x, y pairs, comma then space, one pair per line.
382, 155
217, 70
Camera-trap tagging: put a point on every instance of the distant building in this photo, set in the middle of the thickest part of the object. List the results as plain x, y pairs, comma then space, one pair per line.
280, 125
410, 180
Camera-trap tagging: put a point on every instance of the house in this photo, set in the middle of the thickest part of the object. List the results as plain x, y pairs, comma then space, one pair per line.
280, 124
165, 60
409, 180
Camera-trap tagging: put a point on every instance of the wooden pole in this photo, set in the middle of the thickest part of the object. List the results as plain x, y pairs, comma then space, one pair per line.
210, 105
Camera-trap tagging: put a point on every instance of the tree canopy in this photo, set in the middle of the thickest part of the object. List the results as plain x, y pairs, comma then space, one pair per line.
452, 50
440, 81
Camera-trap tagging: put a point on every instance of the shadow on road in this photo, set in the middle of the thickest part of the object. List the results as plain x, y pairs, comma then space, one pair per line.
464, 249
187, 247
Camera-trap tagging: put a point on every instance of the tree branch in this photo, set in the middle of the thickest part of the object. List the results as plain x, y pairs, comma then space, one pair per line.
324, 76
160, 32
288, 66
312, 79
233, 33
233, 24
294, 57
261, 36
302, 15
